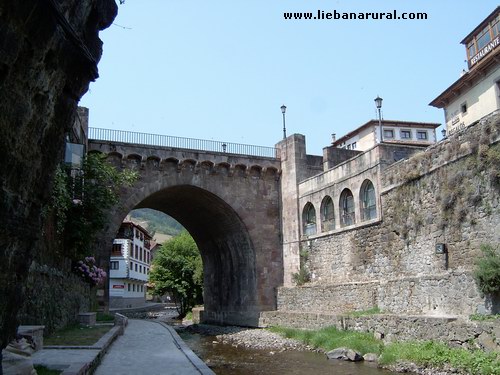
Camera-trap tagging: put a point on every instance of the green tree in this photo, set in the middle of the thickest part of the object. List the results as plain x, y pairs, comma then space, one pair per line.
80, 202
178, 270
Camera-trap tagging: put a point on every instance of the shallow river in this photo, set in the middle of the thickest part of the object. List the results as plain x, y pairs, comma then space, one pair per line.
225, 359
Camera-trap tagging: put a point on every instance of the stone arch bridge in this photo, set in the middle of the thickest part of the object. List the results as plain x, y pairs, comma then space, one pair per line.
226, 195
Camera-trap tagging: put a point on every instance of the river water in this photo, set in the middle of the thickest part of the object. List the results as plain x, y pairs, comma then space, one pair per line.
225, 359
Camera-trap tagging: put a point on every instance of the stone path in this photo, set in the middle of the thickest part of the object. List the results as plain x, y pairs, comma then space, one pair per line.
151, 348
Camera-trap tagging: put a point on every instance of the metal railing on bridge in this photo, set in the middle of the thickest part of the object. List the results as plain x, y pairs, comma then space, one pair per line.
123, 136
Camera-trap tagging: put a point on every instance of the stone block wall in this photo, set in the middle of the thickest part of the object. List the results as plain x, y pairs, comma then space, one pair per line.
456, 332
447, 194
54, 297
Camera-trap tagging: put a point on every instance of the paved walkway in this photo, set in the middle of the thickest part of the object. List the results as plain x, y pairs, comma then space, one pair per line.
151, 348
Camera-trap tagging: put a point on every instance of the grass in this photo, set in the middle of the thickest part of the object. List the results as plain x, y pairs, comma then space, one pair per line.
434, 354
189, 315
482, 318
331, 338
104, 317
426, 353
42, 370
77, 335
372, 311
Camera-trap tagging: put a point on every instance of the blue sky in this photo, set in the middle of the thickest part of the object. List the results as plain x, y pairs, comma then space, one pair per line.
221, 69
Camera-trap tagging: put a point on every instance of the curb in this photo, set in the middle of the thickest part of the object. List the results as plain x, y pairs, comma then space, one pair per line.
182, 346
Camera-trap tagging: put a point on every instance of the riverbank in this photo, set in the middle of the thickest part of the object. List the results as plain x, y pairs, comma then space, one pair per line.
274, 342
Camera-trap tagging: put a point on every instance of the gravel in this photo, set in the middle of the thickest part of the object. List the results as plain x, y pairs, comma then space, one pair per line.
253, 338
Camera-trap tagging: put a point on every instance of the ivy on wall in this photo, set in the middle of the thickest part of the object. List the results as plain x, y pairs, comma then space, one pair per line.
80, 201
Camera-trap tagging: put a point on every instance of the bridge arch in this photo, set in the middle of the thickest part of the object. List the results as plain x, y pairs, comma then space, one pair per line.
223, 240
232, 218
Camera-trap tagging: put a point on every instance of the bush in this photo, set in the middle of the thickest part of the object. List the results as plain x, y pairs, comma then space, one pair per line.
487, 272
435, 354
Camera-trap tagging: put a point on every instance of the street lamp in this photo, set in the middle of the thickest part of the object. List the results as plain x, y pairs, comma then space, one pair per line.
378, 103
283, 110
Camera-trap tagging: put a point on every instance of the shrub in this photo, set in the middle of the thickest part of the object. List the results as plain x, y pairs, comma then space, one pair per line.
487, 272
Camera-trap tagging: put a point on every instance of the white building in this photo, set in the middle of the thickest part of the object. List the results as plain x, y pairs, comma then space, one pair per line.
129, 266
401, 132
477, 92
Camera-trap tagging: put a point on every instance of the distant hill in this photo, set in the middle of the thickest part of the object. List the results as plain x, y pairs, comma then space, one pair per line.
157, 222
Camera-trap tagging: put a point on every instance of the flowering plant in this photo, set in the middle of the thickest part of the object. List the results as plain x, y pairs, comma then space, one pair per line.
89, 272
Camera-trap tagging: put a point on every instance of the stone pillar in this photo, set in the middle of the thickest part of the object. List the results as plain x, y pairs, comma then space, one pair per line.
292, 152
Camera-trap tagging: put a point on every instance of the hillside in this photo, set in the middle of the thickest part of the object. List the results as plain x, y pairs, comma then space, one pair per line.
157, 222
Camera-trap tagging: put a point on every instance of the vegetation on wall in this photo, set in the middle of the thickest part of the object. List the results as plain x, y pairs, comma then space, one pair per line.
472, 168
79, 202
487, 271
303, 276
177, 270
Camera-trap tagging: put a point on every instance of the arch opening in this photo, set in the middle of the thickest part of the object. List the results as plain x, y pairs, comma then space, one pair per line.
230, 287
347, 215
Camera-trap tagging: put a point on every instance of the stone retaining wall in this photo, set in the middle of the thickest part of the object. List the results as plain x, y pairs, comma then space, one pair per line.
447, 194
485, 335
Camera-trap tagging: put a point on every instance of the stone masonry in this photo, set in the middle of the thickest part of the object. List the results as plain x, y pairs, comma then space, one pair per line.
446, 194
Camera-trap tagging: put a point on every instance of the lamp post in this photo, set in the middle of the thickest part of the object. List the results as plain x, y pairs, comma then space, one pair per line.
378, 103
283, 110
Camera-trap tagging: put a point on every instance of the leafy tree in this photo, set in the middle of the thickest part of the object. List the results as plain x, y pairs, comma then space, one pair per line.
178, 270
80, 202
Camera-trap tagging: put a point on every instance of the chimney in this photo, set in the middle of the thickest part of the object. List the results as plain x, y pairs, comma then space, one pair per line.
334, 137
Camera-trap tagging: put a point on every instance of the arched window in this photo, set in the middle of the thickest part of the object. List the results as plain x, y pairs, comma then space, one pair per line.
309, 219
327, 214
368, 202
347, 216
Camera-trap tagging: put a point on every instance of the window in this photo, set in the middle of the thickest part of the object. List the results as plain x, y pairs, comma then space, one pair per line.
405, 134
347, 216
140, 254
309, 219
368, 201
471, 47
128, 287
463, 108
142, 288
133, 287
327, 215
116, 250
131, 266
348, 147
136, 253
388, 133
136, 233
483, 38
140, 269
114, 265
354, 145
495, 26
422, 135
135, 267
